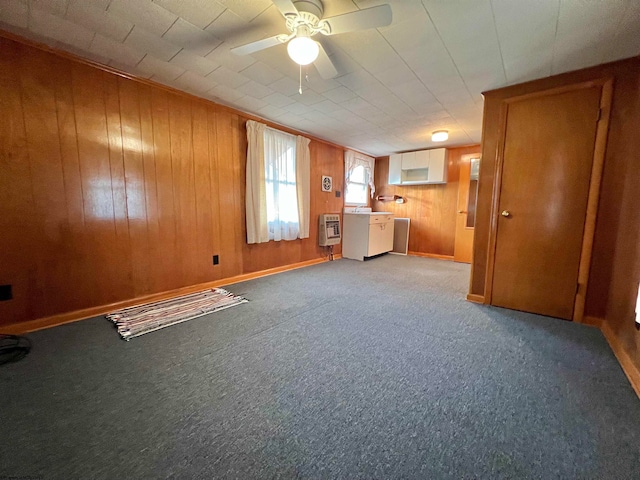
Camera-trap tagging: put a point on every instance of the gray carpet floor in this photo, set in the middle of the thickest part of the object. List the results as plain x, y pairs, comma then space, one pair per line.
346, 369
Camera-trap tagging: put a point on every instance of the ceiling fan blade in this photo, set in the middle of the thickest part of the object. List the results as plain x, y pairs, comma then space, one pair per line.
373, 17
286, 7
260, 45
324, 65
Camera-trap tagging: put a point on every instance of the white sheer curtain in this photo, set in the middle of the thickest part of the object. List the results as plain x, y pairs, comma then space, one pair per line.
303, 183
280, 176
256, 193
278, 185
352, 160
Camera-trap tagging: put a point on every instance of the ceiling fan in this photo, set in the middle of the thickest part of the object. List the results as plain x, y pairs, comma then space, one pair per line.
304, 20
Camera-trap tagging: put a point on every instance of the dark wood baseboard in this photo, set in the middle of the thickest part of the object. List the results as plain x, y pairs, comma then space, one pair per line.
472, 297
431, 255
628, 367
76, 315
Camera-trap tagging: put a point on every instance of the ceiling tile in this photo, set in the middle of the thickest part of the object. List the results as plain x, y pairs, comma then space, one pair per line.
198, 12
271, 112
261, 73
59, 29
524, 26
226, 93
582, 29
297, 108
326, 106
187, 35
626, 42
278, 100
308, 97
227, 77
339, 95
223, 56
247, 9
147, 42
113, 50
234, 29
254, 89
195, 63
192, 82
98, 20
318, 84
145, 14
159, 68
55, 7
15, 12
270, 21
285, 86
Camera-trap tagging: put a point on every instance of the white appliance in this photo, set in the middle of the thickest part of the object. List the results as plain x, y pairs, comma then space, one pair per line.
329, 229
367, 234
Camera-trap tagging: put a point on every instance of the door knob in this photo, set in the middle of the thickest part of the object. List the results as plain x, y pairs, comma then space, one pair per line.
461, 211
505, 213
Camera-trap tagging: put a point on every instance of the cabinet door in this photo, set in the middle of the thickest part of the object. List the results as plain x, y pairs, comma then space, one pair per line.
395, 169
438, 165
415, 160
380, 238
408, 160
422, 159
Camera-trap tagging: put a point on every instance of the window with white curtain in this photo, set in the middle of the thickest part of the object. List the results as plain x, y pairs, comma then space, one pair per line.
358, 177
356, 187
278, 193
280, 179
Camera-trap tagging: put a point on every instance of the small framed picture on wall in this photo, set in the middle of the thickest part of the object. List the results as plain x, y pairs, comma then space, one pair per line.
327, 183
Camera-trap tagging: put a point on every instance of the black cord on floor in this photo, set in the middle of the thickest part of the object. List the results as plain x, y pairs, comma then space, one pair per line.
13, 348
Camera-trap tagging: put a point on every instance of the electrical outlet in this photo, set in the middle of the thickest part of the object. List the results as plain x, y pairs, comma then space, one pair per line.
216, 259
5, 292
337, 193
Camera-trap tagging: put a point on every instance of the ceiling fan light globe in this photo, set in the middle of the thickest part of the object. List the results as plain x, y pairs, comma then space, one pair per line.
439, 136
303, 50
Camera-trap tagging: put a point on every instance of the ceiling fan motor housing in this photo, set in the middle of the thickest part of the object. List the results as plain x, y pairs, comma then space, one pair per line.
309, 14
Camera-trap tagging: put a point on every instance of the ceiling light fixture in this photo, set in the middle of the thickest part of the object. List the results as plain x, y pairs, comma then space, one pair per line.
302, 49
439, 136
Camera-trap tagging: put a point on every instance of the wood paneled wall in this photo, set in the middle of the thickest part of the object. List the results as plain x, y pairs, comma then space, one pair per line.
431, 208
113, 188
615, 264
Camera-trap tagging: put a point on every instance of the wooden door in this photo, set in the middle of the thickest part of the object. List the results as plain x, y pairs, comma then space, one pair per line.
465, 218
547, 164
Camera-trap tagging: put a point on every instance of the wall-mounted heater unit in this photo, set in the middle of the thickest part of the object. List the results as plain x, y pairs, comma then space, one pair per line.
329, 229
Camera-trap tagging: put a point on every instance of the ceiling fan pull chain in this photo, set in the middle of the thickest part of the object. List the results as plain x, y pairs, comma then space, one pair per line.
300, 89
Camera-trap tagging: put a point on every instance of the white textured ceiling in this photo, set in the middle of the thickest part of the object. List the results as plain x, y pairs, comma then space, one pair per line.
395, 85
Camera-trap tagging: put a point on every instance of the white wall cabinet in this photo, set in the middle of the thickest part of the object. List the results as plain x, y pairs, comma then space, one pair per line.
395, 169
418, 168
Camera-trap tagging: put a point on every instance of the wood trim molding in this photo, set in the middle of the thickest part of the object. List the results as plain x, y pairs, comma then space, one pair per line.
431, 255
69, 317
593, 198
495, 202
472, 297
592, 321
628, 367
146, 81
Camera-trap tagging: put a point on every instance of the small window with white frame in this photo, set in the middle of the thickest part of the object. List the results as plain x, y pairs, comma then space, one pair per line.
357, 189
359, 181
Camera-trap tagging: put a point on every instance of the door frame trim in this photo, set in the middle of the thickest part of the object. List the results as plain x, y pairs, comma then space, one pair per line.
465, 158
593, 197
